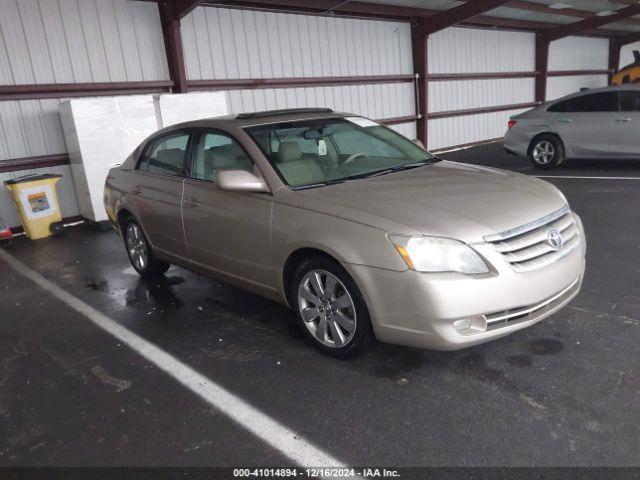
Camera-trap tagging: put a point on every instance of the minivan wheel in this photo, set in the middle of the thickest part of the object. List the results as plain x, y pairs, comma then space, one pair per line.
547, 152
331, 308
139, 252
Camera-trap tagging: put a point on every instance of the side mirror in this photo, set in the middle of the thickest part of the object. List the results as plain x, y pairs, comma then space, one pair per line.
240, 181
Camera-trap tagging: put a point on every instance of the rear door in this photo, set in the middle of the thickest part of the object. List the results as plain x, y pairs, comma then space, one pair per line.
227, 233
156, 191
585, 124
626, 129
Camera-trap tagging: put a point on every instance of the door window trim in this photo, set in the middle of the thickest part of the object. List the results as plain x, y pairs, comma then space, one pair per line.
187, 154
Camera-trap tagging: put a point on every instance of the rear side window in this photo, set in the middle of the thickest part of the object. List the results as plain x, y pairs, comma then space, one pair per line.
594, 102
630, 101
166, 155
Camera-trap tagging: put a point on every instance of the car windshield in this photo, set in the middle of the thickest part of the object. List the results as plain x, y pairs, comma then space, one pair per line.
312, 153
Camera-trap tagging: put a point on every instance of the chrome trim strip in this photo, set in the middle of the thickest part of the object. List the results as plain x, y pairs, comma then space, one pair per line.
545, 260
514, 232
526, 311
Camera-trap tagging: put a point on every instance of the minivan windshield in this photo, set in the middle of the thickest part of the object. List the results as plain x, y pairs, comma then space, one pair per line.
313, 153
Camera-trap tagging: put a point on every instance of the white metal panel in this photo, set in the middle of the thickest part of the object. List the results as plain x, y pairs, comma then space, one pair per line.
579, 53
30, 128
560, 86
447, 132
73, 41
462, 94
626, 54
472, 50
373, 101
221, 43
66, 193
406, 129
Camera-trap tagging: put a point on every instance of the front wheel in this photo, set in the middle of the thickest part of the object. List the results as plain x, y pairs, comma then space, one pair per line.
331, 308
547, 152
140, 253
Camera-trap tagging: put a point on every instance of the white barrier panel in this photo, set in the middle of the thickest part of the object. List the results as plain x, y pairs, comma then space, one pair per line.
102, 132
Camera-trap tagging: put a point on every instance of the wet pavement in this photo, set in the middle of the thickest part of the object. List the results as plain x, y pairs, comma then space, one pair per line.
564, 392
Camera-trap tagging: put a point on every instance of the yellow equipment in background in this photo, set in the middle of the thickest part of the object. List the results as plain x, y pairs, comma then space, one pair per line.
630, 73
37, 202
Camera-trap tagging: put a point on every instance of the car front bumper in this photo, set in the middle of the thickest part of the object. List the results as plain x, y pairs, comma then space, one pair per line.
419, 309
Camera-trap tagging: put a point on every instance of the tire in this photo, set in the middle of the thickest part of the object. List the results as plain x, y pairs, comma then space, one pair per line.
140, 253
328, 317
547, 151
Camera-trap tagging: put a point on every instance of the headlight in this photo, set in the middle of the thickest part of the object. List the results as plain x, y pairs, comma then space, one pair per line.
435, 254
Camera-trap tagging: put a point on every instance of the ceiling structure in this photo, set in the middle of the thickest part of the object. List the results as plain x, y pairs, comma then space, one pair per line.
532, 15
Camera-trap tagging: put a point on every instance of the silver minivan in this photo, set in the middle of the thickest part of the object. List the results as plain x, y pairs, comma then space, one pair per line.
602, 123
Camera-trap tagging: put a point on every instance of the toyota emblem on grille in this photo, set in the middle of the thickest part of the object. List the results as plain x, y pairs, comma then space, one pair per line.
554, 239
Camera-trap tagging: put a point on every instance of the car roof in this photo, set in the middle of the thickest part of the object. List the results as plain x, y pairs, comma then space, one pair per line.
243, 120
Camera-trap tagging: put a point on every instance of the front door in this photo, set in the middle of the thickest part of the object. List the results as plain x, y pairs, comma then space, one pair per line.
227, 233
585, 124
156, 190
626, 128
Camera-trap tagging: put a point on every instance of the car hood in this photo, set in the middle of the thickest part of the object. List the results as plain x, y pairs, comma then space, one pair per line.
445, 199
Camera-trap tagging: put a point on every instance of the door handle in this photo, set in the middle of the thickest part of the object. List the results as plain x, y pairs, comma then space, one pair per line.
623, 120
565, 120
137, 190
190, 202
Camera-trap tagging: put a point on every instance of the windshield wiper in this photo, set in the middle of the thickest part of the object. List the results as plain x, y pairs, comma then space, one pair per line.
397, 168
320, 184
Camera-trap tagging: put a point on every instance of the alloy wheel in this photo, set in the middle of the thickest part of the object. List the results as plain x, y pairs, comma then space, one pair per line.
544, 152
137, 246
327, 308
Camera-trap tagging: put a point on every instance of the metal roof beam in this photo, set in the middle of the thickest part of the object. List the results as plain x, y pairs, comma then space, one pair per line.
181, 8
627, 39
589, 23
453, 16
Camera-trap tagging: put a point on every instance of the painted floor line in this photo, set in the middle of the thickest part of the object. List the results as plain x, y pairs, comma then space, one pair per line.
587, 177
289, 443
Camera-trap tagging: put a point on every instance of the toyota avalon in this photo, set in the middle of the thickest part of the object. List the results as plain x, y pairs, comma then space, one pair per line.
360, 231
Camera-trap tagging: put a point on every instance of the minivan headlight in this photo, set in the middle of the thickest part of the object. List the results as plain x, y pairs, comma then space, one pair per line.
436, 254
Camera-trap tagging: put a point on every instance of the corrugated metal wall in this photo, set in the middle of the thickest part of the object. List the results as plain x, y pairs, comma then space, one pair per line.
577, 53
68, 41
73, 41
626, 55
221, 43
468, 50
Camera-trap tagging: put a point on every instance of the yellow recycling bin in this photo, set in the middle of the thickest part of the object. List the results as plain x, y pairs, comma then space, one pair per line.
37, 203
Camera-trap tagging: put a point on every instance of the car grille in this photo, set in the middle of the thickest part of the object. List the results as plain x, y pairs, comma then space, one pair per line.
529, 246
531, 312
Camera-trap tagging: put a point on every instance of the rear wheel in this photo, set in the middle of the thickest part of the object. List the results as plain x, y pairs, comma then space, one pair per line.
547, 152
331, 308
140, 253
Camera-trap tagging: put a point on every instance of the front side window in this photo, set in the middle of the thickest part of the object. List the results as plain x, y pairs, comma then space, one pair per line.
630, 101
166, 155
330, 150
218, 151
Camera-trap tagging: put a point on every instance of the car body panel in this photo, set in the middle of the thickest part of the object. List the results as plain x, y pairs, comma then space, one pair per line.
247, 238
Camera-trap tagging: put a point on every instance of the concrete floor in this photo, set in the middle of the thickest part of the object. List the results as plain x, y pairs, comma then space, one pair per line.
564, 392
